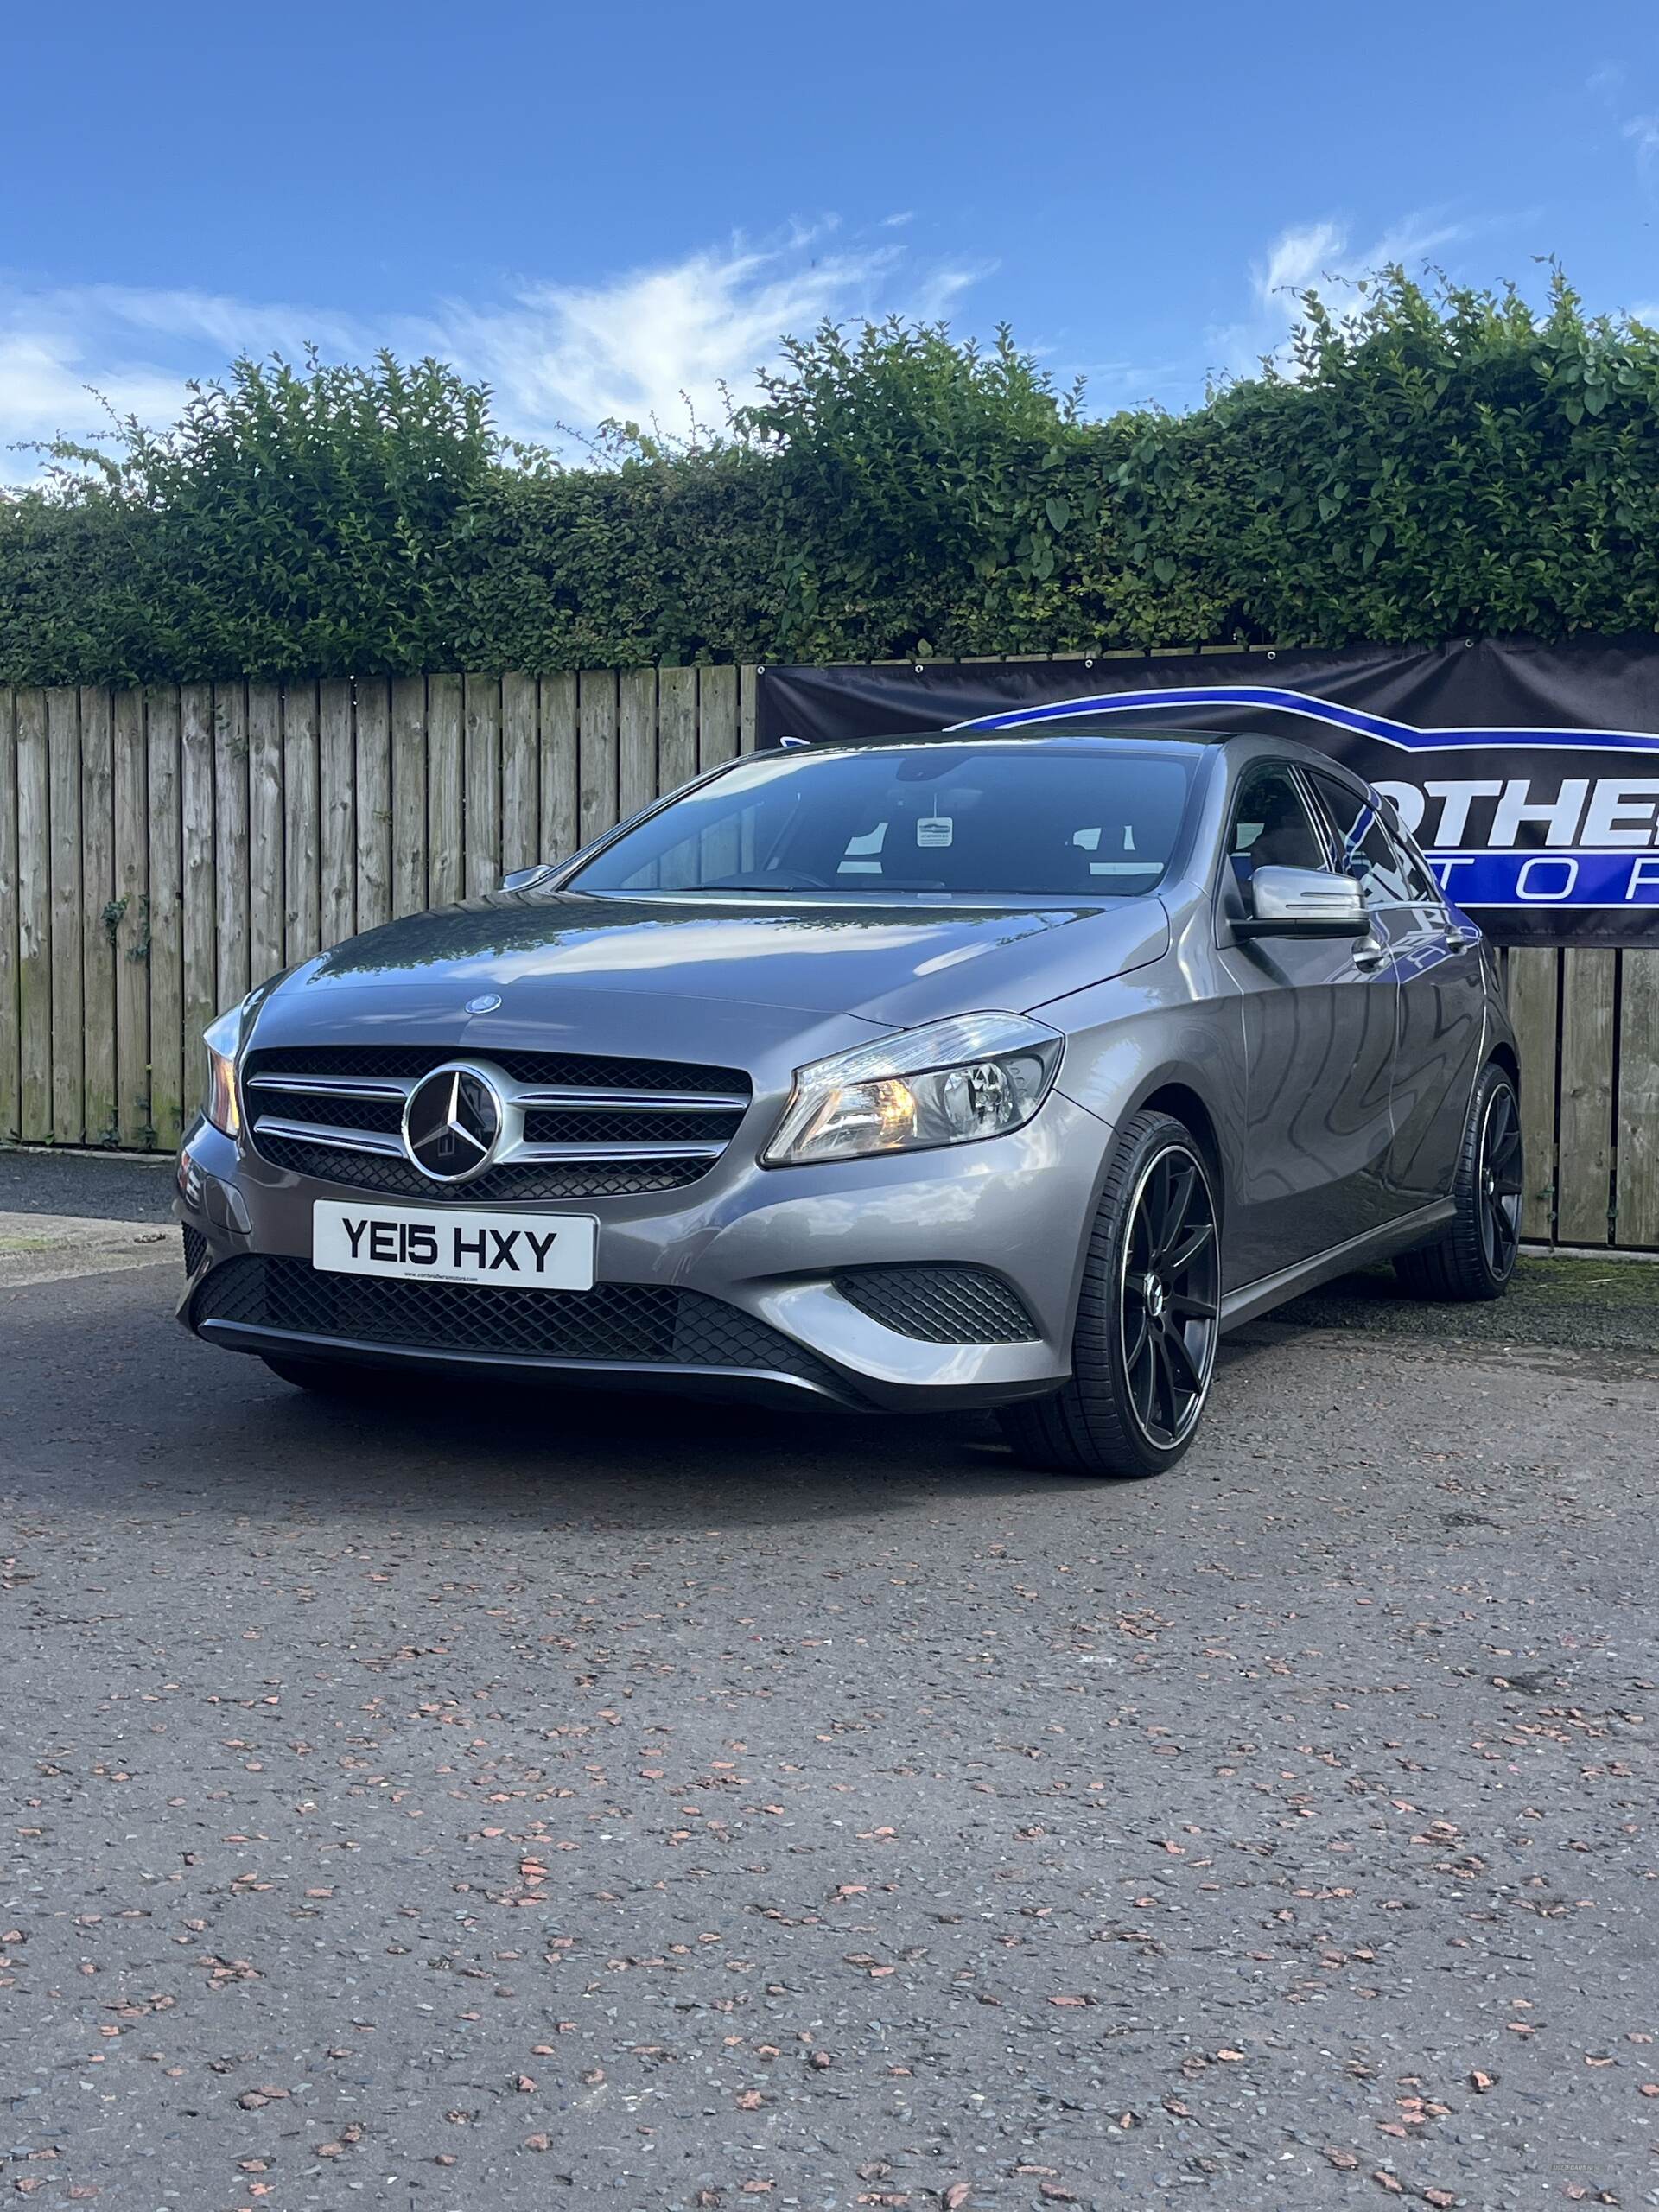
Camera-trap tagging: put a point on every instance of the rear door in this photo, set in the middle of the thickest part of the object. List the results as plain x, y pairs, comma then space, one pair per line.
1319, 1017
1435, 956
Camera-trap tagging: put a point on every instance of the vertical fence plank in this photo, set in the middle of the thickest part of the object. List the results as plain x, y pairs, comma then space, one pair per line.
676, 726
408, 795
748, 690
717, 724
68, 1028
1584, 1173
135, 931
231, 839
11, 1023
34, 919
265, 895
98, 918
521, 775
596, 752
636, 740
196, 878
557, 715
1532, 980
302, 829
481, 722
373, 803
1637, 1222
336, 811
444, 787
157, 998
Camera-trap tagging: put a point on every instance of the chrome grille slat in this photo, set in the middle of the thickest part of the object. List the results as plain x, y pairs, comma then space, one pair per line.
337, 1086
545, 1152
273, 1125
642, 1102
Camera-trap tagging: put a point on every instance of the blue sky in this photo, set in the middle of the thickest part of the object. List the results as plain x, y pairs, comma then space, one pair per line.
595, 208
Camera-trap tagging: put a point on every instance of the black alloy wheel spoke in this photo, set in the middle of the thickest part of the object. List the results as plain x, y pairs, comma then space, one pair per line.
1143, 1380
1180, 1363
1190, 1247
1166, 1385
1176, 1198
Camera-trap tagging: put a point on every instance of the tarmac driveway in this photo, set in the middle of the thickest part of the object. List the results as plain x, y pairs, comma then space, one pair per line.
501, 1801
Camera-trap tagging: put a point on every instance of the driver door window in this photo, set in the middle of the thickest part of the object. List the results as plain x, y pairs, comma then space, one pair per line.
1364, 849
1272, 826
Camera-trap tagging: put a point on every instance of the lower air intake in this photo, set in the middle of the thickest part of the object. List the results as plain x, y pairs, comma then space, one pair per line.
940, 1305
642, 1323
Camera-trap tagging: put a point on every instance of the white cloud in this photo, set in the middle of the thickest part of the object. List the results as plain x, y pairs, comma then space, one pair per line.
1643, 131
1312, 257
636, 346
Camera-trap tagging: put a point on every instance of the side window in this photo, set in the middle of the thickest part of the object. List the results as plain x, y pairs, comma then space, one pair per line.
1272, 827
1421, 886
1364, 849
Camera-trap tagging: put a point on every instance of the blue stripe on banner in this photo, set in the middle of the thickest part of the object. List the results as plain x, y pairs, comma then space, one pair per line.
1402, 735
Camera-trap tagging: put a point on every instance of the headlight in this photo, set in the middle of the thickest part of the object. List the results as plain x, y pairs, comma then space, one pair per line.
223, 1038
978, 1075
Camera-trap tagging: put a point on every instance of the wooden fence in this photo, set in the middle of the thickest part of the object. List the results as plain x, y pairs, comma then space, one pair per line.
161, 850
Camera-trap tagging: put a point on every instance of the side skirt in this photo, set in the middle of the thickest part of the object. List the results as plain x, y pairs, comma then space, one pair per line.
1252, 1299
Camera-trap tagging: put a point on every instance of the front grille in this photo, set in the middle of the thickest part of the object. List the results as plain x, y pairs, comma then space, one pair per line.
940, 1305
581, 1126
196, 1250
647, 1324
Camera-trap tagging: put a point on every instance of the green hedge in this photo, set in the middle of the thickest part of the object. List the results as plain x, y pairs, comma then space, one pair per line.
1433, 463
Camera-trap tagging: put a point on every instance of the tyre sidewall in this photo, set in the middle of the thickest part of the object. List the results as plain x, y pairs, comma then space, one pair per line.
1098, 1352
1494, 1079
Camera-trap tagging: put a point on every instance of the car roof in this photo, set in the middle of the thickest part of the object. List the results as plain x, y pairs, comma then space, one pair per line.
1052, 736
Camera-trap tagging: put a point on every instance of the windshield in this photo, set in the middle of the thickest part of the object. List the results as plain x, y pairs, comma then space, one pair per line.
978, 820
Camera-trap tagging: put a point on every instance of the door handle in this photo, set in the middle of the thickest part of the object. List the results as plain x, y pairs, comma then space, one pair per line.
1368, 953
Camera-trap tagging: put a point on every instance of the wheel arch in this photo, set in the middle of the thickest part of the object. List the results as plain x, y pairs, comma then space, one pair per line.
1187, 1107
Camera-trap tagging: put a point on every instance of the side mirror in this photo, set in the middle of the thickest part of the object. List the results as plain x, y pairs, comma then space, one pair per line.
529, 879
1303, 902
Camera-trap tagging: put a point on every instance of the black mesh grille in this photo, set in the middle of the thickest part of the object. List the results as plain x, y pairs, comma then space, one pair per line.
577, 1071
328, 1107
940, 1305
647, 1323
530, 1180
196, 1250
592, 1125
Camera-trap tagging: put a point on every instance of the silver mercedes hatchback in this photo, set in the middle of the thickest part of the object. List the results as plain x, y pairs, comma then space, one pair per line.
1000, 1070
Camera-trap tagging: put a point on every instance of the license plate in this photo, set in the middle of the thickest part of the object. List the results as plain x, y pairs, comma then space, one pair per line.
524, 1251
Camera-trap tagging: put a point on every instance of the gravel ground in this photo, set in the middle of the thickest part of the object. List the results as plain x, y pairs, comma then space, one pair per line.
499, 1801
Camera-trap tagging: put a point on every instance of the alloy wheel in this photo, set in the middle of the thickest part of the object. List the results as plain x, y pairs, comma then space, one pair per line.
1499, 1194
1170, 1295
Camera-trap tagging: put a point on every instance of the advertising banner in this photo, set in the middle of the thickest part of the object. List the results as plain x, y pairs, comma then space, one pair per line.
1529, 774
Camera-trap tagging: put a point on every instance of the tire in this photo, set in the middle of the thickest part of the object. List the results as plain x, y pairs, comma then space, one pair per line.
333, 1378
1148, 1317
1474, 1257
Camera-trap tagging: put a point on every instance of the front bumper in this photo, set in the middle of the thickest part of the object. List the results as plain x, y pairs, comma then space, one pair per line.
771, 1283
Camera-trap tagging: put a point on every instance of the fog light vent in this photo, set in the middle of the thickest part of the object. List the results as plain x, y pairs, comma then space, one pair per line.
940, 1305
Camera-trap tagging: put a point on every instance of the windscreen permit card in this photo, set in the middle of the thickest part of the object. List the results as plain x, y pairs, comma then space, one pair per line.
934, 831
